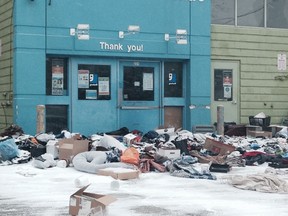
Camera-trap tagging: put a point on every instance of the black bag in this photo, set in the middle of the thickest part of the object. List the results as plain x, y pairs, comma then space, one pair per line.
182, 145
120, 132
36, 149
223, 168
150, 136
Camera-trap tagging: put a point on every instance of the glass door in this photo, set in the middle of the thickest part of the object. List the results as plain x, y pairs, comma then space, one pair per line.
139, 95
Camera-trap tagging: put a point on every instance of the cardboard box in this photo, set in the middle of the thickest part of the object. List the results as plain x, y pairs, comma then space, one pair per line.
218, 147
128, 139
52, 147
120, 173
68, 148
85, 203
266, 134
253, 128
170, 153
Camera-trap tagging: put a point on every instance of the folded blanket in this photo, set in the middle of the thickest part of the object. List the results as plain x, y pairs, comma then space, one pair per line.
259, 182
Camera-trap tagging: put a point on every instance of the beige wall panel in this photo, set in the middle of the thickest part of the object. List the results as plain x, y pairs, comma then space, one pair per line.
264, 104
256, 49
6, 118
264, 97
264, 83
4, 65
263, 90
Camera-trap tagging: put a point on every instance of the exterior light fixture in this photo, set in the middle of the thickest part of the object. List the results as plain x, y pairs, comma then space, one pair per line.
83, 31
193, 106
132, 29
181, 36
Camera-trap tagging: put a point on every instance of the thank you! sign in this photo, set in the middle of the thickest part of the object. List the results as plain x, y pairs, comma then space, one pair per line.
121, 47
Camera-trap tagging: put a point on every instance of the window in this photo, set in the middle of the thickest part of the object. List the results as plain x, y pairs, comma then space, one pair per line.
138, 84
94, 82
223, 90
223, 12
56, 118
277, 13
56, 76
173, 79
250, 13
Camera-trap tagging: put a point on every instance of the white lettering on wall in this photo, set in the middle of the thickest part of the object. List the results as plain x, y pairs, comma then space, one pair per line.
107, 46
135, 48
119, 47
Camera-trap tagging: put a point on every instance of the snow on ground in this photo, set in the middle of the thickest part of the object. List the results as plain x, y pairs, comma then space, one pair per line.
26, 190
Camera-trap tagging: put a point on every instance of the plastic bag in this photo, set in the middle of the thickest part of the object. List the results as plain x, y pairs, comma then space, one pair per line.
8, 149
130, 155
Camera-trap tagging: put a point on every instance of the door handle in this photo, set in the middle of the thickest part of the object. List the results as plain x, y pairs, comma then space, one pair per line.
234, 102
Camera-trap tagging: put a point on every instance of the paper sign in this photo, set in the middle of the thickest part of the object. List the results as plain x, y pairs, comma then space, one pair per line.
281, 62
147, 82
83, 79
104, 88
227, 91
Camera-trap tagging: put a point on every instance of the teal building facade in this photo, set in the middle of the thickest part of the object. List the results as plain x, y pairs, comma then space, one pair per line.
101, 65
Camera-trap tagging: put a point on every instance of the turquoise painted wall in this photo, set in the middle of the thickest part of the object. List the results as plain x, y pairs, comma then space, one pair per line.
42, 28
200, 79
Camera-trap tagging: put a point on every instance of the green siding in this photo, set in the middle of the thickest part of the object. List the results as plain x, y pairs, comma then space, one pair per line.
256, 49
6, 63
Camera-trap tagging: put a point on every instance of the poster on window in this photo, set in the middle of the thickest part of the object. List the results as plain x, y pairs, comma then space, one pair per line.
83, 78
93, 79
147, 81
227, 91
172, 78
227, 78
91, 94
104, 88
57, 78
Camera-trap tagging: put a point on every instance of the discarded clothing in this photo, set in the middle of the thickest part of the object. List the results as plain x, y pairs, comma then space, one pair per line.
120, 132
148, 165
186, 169
12, 130
257, 157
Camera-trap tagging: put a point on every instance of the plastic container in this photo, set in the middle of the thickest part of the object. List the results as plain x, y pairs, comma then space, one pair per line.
263, 122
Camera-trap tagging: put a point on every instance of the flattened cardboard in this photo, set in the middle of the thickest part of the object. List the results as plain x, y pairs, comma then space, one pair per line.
120, 173
218, 147
267, 134
84, 203
170, 153
68, 148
